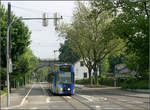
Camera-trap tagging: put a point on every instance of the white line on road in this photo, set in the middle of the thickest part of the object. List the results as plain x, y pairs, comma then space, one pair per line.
98, 107
48, 100
22, 102
68, 97
89, 98
42, 89
138, 102
123, 100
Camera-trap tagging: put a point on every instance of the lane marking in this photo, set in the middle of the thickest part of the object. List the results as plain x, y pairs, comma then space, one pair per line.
138, 102
89, 98
56, 101
43, 89
22, 102
123, 100
34, 108
105, 99
98, 107
68, 97
48, 100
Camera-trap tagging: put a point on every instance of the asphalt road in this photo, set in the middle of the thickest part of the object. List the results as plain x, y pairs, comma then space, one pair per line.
39, 97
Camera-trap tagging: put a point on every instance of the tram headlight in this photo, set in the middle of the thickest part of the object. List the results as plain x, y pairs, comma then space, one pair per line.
61, 89
68, 89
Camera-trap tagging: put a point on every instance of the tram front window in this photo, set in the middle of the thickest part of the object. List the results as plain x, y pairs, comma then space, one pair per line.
64, 77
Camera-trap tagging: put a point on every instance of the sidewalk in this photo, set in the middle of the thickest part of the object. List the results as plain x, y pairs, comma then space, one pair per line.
16, 96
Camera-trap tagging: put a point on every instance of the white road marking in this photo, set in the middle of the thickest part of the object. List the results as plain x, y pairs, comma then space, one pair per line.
89, 98
68, 97
123, 100
56, 101
98, 107
22, 102
42, 89
105, 99
48, 100
34, 108
138, 102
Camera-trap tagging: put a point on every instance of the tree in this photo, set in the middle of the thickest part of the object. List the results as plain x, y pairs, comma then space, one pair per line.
132, 26
114, 60
42, 73
20, 36
89, 37
24, 65
67, 54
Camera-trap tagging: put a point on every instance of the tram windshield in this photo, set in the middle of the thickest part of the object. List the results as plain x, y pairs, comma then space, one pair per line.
65, 77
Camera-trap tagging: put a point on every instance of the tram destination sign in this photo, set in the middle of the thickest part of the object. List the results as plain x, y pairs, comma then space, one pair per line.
65, 68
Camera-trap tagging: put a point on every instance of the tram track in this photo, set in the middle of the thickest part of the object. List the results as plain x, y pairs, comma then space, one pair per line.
74, 103
130, 106
123, 105
69, 103
123, 95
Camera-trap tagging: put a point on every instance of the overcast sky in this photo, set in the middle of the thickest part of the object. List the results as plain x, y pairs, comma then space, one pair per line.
44, 39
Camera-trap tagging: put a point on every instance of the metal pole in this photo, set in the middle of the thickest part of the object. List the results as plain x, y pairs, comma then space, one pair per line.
8, 92
0, 52
8, 55
9, 21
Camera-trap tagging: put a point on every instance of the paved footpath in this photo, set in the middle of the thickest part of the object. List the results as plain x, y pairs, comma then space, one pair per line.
16, 97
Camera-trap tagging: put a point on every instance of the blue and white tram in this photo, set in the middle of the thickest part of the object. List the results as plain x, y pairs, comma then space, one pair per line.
62, 79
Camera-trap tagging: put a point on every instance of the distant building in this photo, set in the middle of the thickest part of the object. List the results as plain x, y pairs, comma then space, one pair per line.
80, 70
122, 69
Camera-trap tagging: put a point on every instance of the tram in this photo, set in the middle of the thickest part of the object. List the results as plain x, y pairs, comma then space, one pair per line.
61, 79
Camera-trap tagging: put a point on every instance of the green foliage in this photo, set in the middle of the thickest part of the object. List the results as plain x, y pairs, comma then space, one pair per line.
114, 60
21, 55
132, 26
2, 92
105, 66
106, 81
133, 83
20, 36
25, 64
89, 36
42, 73
84, 81
67, 55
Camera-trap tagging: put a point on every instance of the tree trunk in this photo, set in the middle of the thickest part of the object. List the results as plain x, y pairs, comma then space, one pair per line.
89, 70
100, 71
96, 76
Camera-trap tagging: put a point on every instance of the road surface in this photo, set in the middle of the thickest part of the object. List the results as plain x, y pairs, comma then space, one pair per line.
108, 98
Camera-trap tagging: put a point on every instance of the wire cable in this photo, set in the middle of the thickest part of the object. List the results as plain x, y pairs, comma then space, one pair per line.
28, 9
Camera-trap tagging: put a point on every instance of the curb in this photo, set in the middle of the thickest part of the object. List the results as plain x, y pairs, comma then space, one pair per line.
138, 90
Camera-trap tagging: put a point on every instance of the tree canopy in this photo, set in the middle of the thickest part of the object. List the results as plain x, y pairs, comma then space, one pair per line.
67, 55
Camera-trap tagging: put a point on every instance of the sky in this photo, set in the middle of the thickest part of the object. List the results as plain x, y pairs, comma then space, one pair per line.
44, 40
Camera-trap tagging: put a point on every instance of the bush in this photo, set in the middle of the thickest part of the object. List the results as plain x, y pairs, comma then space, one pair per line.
2, 92
106, 81
133, 83
83, 81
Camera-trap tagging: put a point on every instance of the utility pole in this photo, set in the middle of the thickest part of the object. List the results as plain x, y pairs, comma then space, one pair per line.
9, 21
8, 57
45, 18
